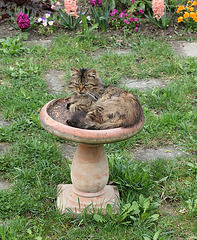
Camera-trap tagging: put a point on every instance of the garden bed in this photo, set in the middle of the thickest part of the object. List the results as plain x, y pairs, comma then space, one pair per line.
175, 31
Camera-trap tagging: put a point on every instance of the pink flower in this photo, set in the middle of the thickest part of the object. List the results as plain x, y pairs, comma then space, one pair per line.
23, 21
132, 19
56, 6
71, 7
137, 24
99, 2
136, 29
132, 1
158, 7
121, 15
126, 21
113, 12
93, 3
141, 11
126, 15
136, 19
96, 2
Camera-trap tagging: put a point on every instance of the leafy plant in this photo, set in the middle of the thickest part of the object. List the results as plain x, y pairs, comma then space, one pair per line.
140, 211
12, 46
100, 13
68, 21
29, 19
142, 4
164, 21
87, 31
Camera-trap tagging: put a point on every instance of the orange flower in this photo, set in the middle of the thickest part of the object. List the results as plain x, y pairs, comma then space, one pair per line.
186, 15
180, 8
191, 9
189, 2
195, 19
192, 15
194, 3
180, 19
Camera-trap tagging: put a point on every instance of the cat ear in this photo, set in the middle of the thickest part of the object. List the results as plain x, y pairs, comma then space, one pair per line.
74, 72
92, 73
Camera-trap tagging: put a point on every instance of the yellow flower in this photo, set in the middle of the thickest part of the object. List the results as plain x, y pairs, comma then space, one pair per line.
191, 9
186, 15
180, 19
192, 15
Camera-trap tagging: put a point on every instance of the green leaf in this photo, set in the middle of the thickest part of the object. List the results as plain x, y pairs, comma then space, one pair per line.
146, 238
109, 209
85, 24
38, 238
156, 235
98, 218
146, 204
23, 92
154, 217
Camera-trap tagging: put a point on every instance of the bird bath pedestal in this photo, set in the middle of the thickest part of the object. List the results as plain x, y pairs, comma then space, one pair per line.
89, 171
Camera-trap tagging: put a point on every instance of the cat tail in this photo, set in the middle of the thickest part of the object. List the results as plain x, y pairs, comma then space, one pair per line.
77, 120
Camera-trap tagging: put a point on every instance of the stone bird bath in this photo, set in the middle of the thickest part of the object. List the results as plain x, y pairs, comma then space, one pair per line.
89, 171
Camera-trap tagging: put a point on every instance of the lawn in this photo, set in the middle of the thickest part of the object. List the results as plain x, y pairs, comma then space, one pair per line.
158, 199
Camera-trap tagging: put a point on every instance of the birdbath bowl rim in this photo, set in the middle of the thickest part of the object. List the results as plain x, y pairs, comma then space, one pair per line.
83, 135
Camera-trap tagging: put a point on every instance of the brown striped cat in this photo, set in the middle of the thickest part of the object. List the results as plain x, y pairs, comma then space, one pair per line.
97, 106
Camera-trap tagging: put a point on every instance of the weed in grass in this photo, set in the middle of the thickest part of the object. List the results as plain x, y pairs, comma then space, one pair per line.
13, 46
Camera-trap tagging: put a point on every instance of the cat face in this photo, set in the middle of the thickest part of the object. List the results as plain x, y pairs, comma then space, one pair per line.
84, 81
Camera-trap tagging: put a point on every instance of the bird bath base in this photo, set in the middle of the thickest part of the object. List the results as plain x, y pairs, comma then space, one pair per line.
89, 170
71, 199
89, 175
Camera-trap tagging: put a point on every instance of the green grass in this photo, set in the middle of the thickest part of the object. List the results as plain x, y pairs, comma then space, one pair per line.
35, 166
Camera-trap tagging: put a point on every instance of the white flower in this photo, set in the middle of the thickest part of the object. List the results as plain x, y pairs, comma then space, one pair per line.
51, 23
44, 24
47, 15
39, 20
88, 18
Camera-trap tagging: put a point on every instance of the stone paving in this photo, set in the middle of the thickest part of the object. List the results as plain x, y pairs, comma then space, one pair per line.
144, 84
55, 81
167, 153
185, 49
3, 122
4, 147
56, 85
44, 43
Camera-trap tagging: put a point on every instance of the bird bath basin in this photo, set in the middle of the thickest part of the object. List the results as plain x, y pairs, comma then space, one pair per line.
89, 171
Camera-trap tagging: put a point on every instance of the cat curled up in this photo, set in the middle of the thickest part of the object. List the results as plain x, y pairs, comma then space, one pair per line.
96, 106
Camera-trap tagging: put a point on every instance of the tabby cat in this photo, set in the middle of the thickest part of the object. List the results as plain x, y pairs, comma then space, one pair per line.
97, 106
